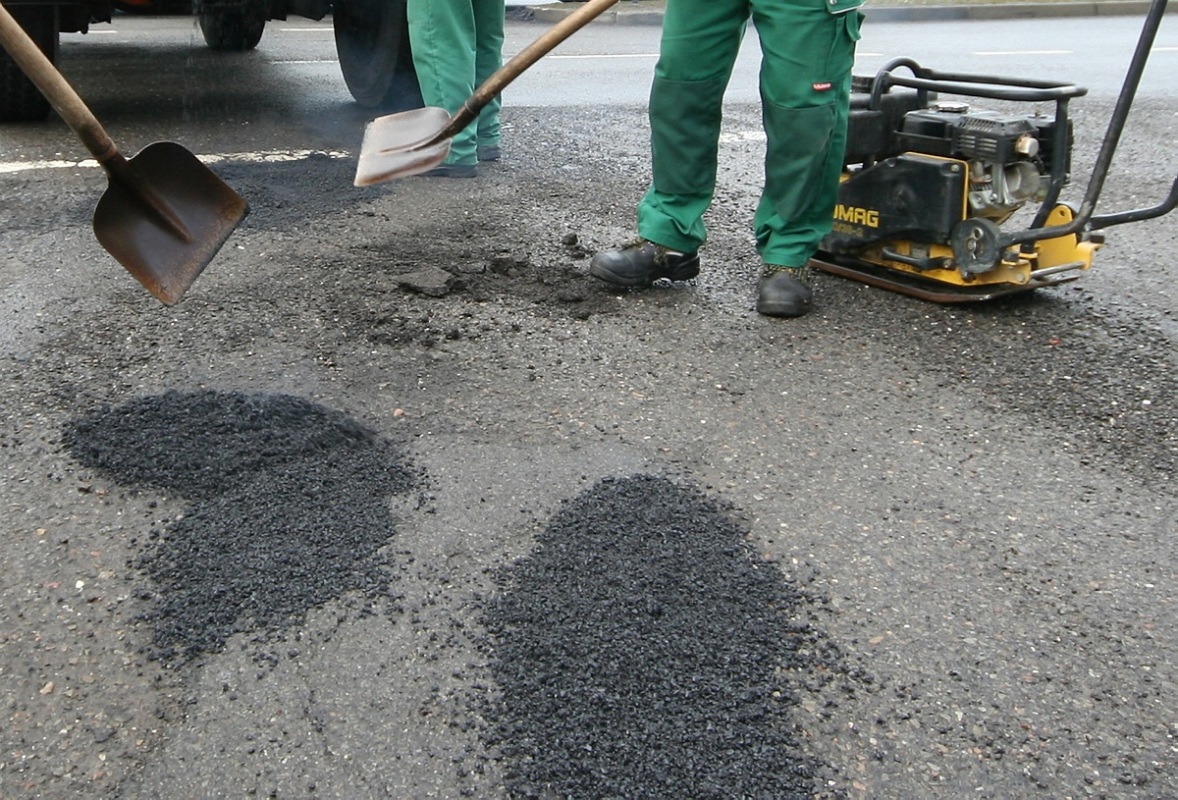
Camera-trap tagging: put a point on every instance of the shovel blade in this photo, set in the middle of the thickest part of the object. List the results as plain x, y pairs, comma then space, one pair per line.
143, 242
400, 145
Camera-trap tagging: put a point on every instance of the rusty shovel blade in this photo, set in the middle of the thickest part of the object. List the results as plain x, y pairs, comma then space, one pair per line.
402, 144
164, 216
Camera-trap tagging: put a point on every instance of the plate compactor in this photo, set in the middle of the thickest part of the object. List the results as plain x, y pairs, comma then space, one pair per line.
952, 203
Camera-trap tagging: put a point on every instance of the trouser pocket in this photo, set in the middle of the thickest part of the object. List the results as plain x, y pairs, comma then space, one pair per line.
798, 156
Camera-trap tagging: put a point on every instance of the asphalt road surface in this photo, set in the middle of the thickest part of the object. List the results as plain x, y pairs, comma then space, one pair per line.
397, 502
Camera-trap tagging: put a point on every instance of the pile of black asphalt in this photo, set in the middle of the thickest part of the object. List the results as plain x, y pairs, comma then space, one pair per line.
289, 509
644, 647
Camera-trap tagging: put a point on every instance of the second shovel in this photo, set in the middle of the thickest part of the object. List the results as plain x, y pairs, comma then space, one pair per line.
413, 142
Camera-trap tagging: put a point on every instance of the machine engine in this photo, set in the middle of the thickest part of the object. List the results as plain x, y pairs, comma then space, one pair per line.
1008, 157
916, 166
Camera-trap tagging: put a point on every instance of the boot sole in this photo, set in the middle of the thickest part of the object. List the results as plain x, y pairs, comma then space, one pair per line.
783, 310
682, 274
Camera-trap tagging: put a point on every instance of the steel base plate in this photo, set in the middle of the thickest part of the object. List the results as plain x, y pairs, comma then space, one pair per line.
925, 288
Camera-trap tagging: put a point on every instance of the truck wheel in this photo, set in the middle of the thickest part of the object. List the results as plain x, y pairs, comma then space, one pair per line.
372, 40
20, 100
232, 27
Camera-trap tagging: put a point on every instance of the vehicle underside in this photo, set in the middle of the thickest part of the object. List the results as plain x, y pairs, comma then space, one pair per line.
371, 40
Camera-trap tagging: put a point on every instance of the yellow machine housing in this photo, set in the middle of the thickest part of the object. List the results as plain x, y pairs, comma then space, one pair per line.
953, 203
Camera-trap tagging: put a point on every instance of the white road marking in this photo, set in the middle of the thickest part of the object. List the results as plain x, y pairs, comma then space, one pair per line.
600, 55
1023, 53
270, 156
742, 136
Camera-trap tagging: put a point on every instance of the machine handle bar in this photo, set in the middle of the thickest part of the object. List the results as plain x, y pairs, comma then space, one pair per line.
1085, 214
990, 86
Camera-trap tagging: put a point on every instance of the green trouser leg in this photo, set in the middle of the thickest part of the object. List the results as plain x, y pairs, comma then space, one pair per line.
699, 45
807, 55
488, 57
449, 51
805, 96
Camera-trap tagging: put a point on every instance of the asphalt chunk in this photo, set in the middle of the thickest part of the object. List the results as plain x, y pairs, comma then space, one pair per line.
644, 650
289, 509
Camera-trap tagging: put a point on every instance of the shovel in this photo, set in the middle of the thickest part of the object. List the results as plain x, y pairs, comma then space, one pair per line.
412, 142
164, 214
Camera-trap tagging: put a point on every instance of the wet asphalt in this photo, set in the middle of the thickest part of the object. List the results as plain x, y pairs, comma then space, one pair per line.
328, 528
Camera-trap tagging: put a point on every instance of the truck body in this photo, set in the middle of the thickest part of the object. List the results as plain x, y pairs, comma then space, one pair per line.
371, 38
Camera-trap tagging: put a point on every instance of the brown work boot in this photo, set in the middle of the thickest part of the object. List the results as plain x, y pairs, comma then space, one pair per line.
785, 292
643, 263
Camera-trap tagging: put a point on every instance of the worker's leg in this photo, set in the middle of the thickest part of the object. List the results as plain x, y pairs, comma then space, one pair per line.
442, 37
808, 54
488, 57
699, 45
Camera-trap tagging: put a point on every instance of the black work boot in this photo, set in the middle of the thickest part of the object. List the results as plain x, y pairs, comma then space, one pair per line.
785, 292
453, 171
643, 263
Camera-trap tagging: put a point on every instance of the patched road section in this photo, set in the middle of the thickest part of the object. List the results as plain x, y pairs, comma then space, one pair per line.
646, 646
289, 510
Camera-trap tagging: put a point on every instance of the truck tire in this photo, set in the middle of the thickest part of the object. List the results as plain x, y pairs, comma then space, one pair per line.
20, 100
232, 27
372, 40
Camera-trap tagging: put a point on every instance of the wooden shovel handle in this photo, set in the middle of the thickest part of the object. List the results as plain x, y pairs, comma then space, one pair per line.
57, 91
522, 60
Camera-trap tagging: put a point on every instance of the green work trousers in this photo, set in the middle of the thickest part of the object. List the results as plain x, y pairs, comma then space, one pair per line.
807, 53
456, 45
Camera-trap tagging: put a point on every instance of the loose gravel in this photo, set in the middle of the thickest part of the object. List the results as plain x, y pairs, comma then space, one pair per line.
644, 648
289, 509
